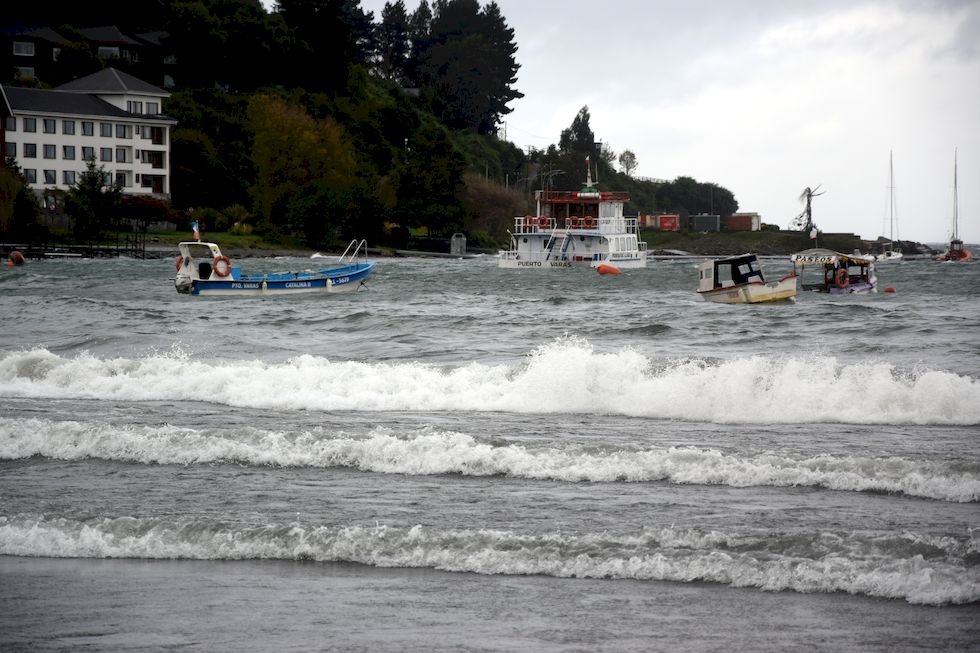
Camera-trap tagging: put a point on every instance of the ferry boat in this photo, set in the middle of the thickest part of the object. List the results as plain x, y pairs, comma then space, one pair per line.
584, 228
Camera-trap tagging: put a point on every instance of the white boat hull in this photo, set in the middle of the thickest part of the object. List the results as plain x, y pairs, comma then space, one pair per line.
753, 293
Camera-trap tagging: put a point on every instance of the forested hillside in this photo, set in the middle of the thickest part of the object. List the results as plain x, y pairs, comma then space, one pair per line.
323, 121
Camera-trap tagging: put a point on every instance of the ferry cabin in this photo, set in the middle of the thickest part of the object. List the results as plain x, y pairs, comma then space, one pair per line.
583, 228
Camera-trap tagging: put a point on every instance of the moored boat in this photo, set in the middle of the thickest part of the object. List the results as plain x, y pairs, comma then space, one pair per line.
955, 250
584, 228
203, 270
842, 274
739, 280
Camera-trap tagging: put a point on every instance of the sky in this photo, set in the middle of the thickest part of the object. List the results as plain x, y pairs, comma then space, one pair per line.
768, 97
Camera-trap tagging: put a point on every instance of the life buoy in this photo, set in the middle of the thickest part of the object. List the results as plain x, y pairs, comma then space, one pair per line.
841, 278
543, 222
572, 222
221, 270
528, 221
588, 222
180, 260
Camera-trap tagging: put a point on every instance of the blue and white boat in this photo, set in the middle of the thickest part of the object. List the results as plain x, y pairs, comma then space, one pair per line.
203, 270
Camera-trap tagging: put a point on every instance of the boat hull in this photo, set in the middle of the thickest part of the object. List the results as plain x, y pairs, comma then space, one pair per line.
510, 262
346, 279
753, 293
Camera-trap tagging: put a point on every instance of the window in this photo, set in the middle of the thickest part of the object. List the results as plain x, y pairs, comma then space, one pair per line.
68, 152
108, 52
49, 152
105, 154
25, 72
107, 179
50, 125
23, 49
120, 155
30, 174
10, 149
105, 129
69, 177
124, 131
122, 179
88, 128
153, 108
30, 125
10, 124
134, 106
30, 150
88, 153
55, 53
68, 127
50, 177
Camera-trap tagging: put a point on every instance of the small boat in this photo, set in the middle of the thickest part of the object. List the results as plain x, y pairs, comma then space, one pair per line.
842, 274
203, 270
584, 228
739, 280
955, 250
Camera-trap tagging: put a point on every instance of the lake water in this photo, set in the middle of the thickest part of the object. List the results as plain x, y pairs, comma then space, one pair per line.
465, 458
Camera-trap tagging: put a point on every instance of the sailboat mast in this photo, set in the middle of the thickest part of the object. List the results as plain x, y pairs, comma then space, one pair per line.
955, 201
891, 196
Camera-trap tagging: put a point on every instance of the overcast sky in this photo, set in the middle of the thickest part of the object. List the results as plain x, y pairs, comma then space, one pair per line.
767, 97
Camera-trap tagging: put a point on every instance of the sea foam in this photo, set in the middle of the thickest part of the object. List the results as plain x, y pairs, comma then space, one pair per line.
910, 567
428, 451
566, 376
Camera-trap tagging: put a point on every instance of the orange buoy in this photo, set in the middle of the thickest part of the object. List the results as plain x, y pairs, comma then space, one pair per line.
605, 268
889, 289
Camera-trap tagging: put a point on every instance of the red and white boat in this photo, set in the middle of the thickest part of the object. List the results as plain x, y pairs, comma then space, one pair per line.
584, 228
739, 280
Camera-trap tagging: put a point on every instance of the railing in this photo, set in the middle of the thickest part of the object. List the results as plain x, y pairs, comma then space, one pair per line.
350, 257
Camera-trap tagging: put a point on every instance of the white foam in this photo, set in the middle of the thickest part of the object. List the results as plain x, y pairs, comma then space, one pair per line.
566, 376
832, 563
428, 451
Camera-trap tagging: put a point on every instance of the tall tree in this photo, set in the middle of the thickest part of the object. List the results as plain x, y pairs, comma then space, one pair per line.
470, 67
393, 43
578, 138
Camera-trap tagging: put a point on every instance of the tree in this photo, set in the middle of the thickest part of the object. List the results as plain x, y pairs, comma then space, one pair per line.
19, 208
627, 161
292, 150
393, 44
93, 202
578, 138
469, 67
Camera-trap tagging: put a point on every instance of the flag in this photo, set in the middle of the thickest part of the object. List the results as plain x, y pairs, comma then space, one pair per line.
197, 233
813, 234
587, 159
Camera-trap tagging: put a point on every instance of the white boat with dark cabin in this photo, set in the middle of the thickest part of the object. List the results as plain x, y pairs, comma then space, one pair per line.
584, 228
739, 280
203, 270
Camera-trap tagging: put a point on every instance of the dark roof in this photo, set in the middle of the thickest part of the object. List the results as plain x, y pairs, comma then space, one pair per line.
38, 100
46, 34
114, 81
107, 34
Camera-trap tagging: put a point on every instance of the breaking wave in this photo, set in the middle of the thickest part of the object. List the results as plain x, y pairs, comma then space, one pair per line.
566, 376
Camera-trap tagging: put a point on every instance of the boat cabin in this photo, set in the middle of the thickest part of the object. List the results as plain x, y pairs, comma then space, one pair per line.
728, 272
838, 273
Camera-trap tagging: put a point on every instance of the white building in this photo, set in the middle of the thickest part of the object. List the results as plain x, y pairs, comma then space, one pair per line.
111, 117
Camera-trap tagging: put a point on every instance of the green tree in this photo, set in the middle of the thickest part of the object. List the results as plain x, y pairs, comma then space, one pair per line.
291, 151
93, 202
469, 67
393, 44
19, 209
430, 183
627, 161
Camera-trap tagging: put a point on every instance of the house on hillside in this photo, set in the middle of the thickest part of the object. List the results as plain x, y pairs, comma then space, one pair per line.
110, 117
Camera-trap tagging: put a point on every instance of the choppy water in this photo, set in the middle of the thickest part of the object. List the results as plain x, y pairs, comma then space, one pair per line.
462, 418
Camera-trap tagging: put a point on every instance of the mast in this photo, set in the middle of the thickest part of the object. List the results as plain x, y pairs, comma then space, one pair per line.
891, 195
955, 201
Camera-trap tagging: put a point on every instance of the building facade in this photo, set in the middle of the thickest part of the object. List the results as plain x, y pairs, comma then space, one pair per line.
109, 117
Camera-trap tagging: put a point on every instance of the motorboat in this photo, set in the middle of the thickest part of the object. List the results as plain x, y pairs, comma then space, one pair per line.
841, 274
739, 280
